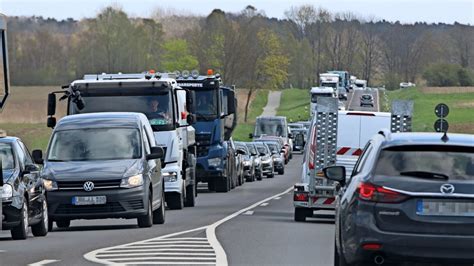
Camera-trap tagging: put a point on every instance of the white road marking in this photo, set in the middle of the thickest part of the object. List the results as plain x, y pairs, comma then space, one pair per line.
350, 101
1, 251
264, 204
160, 248
277, 198
378, 100
43, 262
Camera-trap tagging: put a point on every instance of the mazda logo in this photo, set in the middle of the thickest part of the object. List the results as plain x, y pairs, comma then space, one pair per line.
447, 189
88, 186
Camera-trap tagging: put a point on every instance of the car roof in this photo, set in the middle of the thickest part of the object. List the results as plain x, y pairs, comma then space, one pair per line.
106, 119
419, 138
8, 139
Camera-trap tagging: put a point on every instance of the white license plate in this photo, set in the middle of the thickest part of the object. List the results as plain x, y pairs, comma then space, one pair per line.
444, 208
89, 200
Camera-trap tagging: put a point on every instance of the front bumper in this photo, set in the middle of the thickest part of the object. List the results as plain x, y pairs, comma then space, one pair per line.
121, 203
173, 186
10, 216
398, 247
278, 165
267, 168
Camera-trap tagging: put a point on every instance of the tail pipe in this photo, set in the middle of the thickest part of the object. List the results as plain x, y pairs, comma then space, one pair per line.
379, 260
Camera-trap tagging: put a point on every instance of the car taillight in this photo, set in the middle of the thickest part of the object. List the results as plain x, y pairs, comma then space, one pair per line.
375, 193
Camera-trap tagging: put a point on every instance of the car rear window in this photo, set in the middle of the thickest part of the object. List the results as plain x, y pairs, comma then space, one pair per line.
455, 162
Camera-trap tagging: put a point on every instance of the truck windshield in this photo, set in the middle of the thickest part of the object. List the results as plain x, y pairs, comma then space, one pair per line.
6, 155
329, 84
158, 108
206, 104
95, 144
314, 96
271, 127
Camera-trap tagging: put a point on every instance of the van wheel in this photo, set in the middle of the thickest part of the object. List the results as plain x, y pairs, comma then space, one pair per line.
190, 196
211, 185
41, 228
147, 219
159, 214
222, 184
175, 200
281, 172
300, 214
50, 224
21, 231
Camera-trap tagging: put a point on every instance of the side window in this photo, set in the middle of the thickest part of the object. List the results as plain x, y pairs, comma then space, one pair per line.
28, 159
21, 156
146, 142
362, 159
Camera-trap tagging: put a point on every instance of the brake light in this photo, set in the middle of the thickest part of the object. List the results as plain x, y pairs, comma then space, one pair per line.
370, 192
300, 196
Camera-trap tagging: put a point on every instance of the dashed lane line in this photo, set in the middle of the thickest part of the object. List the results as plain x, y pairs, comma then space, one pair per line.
264, 204
43, 262
276, 198
174, 250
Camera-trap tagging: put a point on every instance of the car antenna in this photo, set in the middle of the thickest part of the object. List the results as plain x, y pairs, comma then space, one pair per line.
445, 137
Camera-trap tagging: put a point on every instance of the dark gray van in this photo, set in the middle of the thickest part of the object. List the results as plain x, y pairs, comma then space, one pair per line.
103, 165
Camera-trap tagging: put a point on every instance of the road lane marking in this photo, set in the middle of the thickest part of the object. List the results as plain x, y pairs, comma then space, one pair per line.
164, 249
378, 100
276, 198
43, 262
264, 204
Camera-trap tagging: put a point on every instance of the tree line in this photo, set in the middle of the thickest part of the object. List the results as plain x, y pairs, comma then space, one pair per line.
248, 48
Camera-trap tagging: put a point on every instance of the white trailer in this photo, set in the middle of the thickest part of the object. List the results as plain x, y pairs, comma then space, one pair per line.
329, 80
339, 137
360, 83
318, 92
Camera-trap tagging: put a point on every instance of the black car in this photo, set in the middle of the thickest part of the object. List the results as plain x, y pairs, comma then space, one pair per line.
103, 165
410, 198
23, 196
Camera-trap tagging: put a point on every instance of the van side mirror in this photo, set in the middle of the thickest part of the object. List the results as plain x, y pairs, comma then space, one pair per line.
250, 135
37, 156
336, 173
231, 102
191, 119
190, 101
51, 104
241, 152
51, 122
29, 168
156, 153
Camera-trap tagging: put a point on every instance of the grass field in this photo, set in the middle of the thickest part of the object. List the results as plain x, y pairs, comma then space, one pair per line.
258, 102
460, 102
294, 104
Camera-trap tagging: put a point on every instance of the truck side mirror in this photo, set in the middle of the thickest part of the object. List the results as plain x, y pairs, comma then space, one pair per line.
51, 104
37, 156
190, 101
250, 135
51, 122
191, 119
231, 102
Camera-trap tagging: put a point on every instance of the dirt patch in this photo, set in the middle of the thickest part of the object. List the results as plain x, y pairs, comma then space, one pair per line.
466, 104
242, 100
447, 90
462, 128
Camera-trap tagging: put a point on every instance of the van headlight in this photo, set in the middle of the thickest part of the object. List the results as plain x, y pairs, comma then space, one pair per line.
214, 162
50, 185
132, 181
170, 176
7, 191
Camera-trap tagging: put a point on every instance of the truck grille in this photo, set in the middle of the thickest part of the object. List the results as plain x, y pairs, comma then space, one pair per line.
98, 184
203, 141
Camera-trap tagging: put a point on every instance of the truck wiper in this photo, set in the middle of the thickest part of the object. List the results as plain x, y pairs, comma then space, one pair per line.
425, 174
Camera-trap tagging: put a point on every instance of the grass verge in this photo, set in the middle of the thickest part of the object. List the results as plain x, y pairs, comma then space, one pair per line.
460, 118
294, 105
35, 136
241, 132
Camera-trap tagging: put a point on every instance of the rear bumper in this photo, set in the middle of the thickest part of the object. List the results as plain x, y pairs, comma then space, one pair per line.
398, 247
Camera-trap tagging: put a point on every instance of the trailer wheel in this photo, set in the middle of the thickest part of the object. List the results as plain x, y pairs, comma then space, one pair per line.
300, 214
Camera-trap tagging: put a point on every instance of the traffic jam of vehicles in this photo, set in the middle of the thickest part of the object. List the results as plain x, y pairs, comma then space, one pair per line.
137, 145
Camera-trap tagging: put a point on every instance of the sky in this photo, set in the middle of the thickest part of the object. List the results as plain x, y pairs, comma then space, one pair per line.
405, 11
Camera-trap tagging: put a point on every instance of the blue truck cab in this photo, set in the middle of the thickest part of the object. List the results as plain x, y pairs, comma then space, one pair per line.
344, 79
215, 121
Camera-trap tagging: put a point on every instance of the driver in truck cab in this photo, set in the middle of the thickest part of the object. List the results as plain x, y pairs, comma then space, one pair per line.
157, 108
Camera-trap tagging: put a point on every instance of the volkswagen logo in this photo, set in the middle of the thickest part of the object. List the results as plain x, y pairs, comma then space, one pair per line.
447, 189
88, 186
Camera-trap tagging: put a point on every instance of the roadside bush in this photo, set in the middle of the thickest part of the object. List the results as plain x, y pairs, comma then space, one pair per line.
392, 81
444, 75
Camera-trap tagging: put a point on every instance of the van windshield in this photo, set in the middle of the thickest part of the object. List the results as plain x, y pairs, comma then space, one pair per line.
271, 127
315, 96
95, 144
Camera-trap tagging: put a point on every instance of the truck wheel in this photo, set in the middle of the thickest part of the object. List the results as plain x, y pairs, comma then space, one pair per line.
147, 219
159, 214
190, 196
175, 200
41, 228
21, 230
300, 214
63, 223
222, 184
281, 172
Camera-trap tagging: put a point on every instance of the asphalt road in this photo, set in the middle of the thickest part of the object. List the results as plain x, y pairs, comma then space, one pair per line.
353, 102
225, 227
